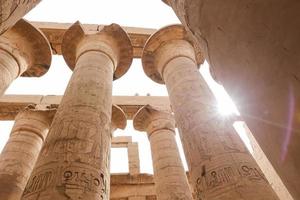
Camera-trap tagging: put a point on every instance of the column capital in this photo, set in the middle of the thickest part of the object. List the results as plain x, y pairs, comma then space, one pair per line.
112, 40
40, 115
29, 47
118, 118
164, 45
151, 119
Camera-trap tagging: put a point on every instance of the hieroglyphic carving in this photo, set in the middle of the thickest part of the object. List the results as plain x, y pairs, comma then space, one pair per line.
212, 147
39, 182
225, 177
75, 155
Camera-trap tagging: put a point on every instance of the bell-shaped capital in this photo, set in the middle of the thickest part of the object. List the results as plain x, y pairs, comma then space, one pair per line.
30, 48
150, 119
118, 118
112, 40
164, 45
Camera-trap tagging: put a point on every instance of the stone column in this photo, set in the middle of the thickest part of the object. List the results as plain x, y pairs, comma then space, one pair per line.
12, 11
24, 51
252, 50
133, 158
169, 175
22, 149
220, 166
74, 162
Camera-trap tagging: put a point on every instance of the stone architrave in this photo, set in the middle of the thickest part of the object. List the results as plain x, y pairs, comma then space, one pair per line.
12, 11
74, 162
169, 175
252, 48
24, 51
22, 149
220, 166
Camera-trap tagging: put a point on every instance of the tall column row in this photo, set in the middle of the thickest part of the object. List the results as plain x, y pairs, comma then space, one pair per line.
220, 166
252, 49
74, 161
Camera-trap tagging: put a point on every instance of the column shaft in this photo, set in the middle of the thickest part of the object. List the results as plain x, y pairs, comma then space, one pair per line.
218, 161
169, 175
74, 160
133, 158
9, 70
21, 152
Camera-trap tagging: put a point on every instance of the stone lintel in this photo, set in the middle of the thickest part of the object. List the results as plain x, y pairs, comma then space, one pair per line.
55, 31
125, 186
10, 105
121, 140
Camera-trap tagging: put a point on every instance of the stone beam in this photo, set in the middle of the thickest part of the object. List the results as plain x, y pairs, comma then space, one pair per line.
124, 186
10, 105
121, 141
55, 31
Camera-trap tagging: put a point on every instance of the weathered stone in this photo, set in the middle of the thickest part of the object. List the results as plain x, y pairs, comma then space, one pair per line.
169, 175
11, 104
22, 149
76, 152
133, 158
118, 118
12, 11
24, 51
132, 151
220, 166
55, 31
124, 187
252, 47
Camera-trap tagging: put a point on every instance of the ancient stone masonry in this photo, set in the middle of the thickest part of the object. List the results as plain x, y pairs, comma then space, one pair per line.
217, 158
252, 48
12, 11
22, 149
74, 161
24, 51
133, 152
60, 146
169, 175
